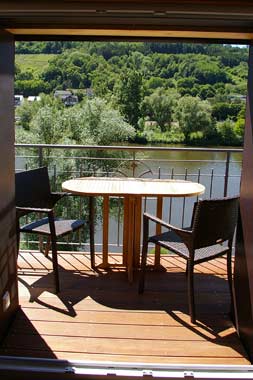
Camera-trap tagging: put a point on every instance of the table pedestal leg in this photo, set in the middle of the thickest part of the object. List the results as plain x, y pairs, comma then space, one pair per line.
91, 226
132, 233
137, 230
125, 230
159, 210
106, 208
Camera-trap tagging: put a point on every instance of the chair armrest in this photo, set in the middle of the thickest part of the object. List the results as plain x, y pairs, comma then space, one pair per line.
59, 193
34, 209
56, 196
184, 234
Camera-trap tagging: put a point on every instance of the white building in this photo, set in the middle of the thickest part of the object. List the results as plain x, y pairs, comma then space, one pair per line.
18, 100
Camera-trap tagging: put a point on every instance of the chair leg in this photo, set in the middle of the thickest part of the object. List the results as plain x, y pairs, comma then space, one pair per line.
143, 266
186, 269
47, 246
54, 250
18, 235
55, 264
144, 253
191, 301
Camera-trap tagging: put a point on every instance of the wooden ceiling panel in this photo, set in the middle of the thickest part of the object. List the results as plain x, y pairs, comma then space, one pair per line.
225, 19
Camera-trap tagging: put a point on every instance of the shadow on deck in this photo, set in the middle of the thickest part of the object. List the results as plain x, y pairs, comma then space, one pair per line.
100, 316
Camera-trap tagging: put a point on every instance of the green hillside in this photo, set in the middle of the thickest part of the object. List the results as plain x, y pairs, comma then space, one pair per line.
170, 93
36, 62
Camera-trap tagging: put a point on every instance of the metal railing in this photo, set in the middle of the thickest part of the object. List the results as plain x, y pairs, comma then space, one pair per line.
218, 169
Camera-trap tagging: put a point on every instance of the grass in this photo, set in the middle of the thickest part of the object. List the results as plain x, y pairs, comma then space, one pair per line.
36, 62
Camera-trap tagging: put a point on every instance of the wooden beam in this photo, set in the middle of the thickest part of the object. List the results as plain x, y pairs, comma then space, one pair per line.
243, 276
163, 18
244, 7
132, 33
8, 253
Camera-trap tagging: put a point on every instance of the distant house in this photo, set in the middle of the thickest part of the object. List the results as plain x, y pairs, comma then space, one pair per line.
89, 92
62, 94
237, 97
18, 100
33, 98
66, 96
70, 100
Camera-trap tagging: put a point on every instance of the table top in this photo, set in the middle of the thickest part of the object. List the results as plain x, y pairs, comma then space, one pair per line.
132, 186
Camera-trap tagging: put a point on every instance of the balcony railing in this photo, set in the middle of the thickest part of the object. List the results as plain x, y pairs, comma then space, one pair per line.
219, 170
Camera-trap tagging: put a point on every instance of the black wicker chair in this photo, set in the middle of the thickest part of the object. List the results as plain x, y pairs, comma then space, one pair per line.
33, 194
210, 236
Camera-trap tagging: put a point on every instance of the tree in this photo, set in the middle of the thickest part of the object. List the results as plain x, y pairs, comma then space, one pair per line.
187, 82
48, 127
193, 115
227, 132
129, 96
101, 123
223, 110
159, 107
31, 87
206, 91
25, 112
93, 121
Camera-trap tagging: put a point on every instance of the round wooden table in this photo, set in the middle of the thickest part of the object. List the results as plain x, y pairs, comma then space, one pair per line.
132, 190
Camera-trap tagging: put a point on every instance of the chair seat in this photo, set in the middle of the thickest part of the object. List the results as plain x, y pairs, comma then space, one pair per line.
172, 241
62, 227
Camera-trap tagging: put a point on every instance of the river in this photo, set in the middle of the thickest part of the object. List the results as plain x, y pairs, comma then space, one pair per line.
207, 167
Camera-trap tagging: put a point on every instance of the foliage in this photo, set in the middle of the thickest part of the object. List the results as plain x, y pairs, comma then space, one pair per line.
193, 115
133, 76
159, 106
227, 133
129, 96
103, 123
224, 110
31, 87
26, 112
91, 122
239, 129
228, 55
23, 136
152, 134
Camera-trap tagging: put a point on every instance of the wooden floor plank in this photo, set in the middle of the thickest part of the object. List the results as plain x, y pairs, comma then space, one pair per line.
96, 313
134, 358
127, 346
100, 316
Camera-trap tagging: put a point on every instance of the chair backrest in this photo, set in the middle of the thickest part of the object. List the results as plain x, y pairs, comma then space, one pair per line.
32, 188
214, 221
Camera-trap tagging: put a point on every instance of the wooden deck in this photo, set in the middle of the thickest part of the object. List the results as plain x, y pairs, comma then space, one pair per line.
100, 316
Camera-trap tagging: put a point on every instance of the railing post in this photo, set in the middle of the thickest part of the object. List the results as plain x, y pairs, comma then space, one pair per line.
185, 177
159, 212
211, 183
198, 181
40, 155
134, 163
226, 174
55, 176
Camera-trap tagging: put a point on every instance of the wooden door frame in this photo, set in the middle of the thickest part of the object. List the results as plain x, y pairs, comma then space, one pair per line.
244, 246
8, 250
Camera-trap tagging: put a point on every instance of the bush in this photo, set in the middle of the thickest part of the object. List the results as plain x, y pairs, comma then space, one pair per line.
227, 133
